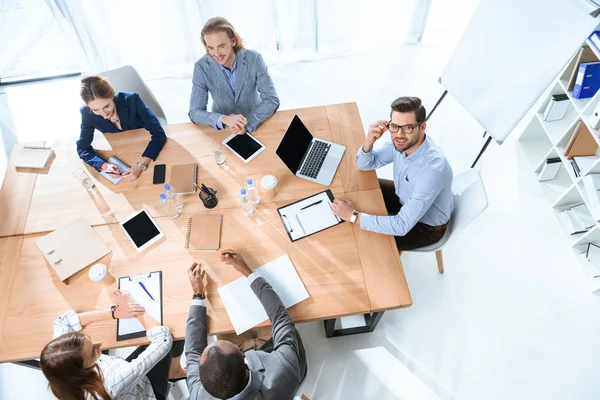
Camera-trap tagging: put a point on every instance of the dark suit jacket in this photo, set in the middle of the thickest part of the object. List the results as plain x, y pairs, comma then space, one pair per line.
133, 114
276, 375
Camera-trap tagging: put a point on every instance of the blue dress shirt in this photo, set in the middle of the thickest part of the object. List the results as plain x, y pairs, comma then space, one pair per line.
423, 183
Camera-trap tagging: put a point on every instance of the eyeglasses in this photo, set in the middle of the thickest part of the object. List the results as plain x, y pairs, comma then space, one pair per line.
408, 129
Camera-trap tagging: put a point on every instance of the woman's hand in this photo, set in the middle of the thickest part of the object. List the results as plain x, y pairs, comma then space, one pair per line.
130, 310
110, 168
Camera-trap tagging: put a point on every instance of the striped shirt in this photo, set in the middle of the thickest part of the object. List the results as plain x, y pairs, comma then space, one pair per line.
124, 380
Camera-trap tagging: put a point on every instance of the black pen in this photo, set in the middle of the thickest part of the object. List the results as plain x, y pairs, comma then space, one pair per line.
313, 204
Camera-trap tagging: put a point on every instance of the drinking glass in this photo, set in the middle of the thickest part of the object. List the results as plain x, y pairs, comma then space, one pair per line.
218, 154
84, 179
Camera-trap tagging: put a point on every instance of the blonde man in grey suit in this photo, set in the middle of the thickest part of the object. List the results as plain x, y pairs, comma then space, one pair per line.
221, 370
242, 91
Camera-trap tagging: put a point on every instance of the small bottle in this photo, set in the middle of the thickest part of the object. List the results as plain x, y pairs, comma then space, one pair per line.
172, 194
169, 206
252, 191
246, 204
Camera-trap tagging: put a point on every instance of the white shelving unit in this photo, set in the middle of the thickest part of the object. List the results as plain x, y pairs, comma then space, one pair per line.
541, 140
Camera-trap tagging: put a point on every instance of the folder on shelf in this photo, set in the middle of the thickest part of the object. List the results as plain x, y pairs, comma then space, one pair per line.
585, 163
72, 247
587, 82
550, 169
576, 219
595, 41
584, 55
581, 143
591, 184
557, 107
145, 290
203, 233
183, 178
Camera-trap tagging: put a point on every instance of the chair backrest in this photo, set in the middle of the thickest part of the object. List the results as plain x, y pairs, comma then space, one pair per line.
127, 79
470, 200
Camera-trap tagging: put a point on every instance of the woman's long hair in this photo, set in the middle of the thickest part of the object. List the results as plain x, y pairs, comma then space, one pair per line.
62, 364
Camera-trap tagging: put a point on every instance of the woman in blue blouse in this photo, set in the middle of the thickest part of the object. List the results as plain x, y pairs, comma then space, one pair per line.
111, 112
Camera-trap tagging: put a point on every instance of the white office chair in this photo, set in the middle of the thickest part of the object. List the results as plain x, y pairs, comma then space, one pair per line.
127, 79
470, 200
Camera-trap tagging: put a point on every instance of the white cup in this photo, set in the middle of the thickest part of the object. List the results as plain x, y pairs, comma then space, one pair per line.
268, 184
99, 273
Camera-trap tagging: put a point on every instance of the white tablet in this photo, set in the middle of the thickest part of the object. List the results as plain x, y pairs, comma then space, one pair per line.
245, 146
141, 230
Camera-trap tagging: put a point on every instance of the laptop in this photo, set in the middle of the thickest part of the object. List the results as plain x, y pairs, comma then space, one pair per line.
313, 159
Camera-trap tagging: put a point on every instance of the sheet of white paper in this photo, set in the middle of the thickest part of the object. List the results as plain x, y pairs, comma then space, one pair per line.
153, 307
243, 307
300, 223
113, 178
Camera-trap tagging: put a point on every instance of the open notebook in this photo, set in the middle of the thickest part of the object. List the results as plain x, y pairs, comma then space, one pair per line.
146, 290
243, 307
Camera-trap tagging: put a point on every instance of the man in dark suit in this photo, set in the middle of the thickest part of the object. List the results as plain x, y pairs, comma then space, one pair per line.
221, 370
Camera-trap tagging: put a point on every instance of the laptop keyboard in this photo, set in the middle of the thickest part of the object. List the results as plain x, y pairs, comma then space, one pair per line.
314, 161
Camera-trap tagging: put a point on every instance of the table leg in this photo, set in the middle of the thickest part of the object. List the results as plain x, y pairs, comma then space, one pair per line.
371, 321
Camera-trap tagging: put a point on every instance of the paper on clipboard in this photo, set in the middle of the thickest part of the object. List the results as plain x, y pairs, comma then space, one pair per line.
128, 328
310, 215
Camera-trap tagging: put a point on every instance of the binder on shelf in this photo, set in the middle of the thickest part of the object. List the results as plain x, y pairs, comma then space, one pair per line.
592, 255
576, 219
588, 80
72, 247
33, 157
576, 170
595, 117
550, 169
595, 40
584, 55
145, 290
183, 178
584, 163
203, 233
557, 107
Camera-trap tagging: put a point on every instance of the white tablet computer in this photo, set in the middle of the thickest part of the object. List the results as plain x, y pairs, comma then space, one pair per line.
245, 146
141, 230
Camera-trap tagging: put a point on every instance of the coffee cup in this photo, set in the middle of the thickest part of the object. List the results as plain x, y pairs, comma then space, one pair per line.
99, 273
268, 185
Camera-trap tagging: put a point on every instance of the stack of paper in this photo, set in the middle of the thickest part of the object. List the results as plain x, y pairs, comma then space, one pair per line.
583, 164
591, 183
576, 219
243, 307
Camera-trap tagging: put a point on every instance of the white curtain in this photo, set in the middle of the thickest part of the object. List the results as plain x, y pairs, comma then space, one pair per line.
162, 38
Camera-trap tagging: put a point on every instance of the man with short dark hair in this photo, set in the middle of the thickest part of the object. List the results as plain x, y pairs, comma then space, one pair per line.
419, 201
221, 370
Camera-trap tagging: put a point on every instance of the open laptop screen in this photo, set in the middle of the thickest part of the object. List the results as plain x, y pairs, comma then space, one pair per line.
294, 144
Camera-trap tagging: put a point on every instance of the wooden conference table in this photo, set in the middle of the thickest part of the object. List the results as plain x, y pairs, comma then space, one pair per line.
346, 270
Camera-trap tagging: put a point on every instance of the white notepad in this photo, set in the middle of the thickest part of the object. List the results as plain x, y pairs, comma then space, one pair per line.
33, 157
308, 216
243, 307
111, 177
129, 328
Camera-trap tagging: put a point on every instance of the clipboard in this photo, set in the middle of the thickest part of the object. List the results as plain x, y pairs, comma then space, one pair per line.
308, 216
131, 328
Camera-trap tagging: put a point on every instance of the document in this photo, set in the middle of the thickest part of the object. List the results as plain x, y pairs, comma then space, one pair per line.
145, 290
308, 216
243, 307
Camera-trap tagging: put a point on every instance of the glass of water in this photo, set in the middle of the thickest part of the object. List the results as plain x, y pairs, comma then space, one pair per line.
84, 178
218, 154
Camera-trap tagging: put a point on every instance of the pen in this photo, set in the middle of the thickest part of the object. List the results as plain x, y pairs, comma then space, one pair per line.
313, 204
205, 189
146, 290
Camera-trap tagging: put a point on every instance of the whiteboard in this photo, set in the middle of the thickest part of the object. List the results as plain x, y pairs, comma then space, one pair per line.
510, 53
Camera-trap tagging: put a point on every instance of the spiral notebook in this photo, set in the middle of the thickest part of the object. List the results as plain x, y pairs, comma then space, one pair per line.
203, 233
120, 164
183, 178
33, 157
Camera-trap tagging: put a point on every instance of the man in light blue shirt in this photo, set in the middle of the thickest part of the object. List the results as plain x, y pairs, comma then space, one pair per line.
419, 201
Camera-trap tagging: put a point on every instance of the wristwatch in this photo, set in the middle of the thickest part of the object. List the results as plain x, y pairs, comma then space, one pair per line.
354, 216
142, 166
199, 296
113, 309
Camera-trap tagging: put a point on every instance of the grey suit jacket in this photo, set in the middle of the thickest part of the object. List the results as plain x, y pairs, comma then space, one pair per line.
276, 375
255, 96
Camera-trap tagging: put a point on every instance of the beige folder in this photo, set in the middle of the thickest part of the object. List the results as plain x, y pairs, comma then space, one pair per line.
72, 247
203, 233
582, 143
183, 178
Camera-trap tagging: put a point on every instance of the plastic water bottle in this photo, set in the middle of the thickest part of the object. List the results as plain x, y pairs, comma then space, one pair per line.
169, 206
252, 191
172, 194
246, 204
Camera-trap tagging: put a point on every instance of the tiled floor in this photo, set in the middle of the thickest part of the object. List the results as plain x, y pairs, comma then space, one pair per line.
510, 319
